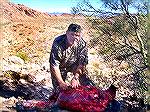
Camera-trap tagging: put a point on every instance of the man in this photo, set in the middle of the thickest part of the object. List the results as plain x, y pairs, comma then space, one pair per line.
69, 54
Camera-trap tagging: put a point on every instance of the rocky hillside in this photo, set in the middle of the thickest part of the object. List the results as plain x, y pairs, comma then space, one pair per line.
18, 12
26, 38
30, 31
28, 34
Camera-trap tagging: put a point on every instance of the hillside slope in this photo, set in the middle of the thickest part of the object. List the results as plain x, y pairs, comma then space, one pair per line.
27, 31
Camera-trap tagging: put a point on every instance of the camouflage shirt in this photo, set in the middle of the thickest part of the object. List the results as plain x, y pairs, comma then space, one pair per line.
68, 57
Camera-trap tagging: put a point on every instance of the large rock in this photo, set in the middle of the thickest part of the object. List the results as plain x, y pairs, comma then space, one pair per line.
13, 63
15, 60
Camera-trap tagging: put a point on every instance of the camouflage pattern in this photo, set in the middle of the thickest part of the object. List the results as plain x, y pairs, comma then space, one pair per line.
68, 58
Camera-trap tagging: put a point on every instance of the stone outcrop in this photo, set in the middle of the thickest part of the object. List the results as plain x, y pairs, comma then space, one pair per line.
17, 12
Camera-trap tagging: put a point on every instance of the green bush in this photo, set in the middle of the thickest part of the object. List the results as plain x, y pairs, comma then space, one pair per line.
23, 55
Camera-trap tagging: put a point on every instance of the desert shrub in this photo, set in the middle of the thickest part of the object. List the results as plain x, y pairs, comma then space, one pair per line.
60, 27
12, 75
23, 55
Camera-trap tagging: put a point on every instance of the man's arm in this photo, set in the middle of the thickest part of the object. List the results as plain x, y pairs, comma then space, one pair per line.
55, 57
56, 72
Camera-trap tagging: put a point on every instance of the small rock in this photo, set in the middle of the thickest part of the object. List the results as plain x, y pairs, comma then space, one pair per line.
10, 101
46, 66
16, 60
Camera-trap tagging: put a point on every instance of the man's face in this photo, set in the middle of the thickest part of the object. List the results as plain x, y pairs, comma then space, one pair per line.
73, 37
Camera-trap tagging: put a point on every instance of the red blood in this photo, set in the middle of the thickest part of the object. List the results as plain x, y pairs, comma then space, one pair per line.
86, 99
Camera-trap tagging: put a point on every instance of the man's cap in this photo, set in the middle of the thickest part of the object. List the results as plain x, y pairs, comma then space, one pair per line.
74, 28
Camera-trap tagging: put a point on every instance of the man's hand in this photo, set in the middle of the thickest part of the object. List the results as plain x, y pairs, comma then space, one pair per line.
75, 82
63, 85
